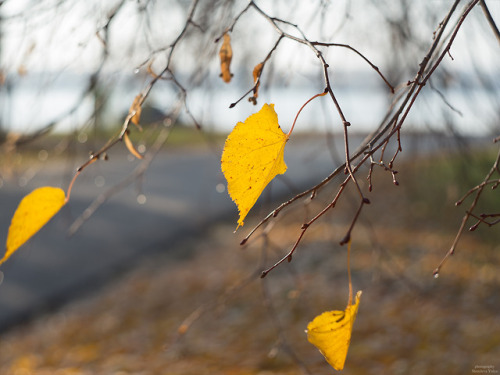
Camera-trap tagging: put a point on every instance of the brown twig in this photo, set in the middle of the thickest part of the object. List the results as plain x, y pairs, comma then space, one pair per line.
478, 191
481, 219
307, 225
257, 81
141, 98
137, 173
380, 137
360, 55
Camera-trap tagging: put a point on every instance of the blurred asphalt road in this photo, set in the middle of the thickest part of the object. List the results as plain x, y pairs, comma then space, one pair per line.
182, 200
183, 195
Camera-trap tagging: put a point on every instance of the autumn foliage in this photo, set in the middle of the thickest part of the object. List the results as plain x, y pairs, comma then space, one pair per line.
34, 211
253, 155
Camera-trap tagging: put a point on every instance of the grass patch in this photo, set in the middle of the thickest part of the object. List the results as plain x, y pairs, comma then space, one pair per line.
435, 184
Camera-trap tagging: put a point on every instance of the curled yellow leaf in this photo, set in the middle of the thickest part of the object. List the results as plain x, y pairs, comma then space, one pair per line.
253, 155
331, 331
226, 55
257, 71
33, 212
136, 109
130, 146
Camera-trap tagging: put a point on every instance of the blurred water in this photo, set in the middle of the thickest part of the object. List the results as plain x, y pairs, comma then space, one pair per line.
29, 103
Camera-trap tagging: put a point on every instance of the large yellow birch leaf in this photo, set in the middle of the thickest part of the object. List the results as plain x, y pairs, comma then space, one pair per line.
252, 157
330, 332
33, 212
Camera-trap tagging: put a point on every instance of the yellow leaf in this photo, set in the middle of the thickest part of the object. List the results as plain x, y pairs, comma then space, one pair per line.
257, 70
252, 157
330, 332
136, 109
130, 146
34, 211
226, 55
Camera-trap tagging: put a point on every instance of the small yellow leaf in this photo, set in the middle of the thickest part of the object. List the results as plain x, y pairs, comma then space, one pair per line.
136, 109
130, 146
330, 332
226, 55
252, 157
257, 70
33, 212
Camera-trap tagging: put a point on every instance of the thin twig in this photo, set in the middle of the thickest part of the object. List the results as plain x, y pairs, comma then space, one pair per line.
360, 55
257, 81
139, 171
478, 190
142, 97
490, 19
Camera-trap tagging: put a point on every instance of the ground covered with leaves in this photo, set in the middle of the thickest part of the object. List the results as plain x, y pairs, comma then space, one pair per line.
201, 308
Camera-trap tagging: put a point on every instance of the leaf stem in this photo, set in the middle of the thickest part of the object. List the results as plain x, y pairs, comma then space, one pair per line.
300, 110
349, 272
70, 187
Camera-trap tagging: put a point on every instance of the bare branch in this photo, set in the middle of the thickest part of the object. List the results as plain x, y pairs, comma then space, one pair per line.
490, 19
478, 191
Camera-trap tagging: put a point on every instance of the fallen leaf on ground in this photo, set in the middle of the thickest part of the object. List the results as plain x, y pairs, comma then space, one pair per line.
33, 212
252, 157
331, 331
